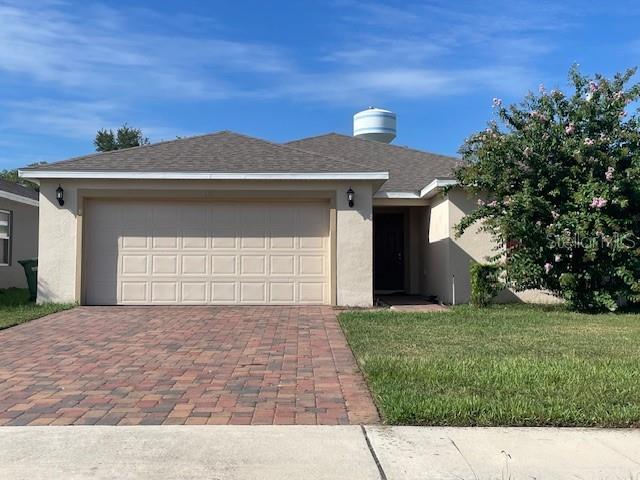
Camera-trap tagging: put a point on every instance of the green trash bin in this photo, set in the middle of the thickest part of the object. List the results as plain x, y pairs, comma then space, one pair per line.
31, 270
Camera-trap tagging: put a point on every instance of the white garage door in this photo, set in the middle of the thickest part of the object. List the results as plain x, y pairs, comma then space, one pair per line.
148, 252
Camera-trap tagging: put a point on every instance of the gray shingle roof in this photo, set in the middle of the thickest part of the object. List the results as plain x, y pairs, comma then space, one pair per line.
16, 189
222, 152
409, 169
227, 152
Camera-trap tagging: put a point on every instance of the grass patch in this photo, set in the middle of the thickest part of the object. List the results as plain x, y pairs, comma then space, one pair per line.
505, 365
16, 308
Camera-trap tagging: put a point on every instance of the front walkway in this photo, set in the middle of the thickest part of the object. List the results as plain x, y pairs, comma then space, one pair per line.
181, 365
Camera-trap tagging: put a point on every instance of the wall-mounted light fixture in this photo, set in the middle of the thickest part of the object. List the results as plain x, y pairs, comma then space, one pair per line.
60, 195
350, 195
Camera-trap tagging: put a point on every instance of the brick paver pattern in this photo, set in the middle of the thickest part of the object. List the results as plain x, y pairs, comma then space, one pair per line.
181, 365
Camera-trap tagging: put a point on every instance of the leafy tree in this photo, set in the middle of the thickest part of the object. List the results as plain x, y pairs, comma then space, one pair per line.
563, 177
124, 137
12, 176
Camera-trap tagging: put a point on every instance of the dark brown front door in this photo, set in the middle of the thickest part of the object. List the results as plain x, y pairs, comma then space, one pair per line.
388, 251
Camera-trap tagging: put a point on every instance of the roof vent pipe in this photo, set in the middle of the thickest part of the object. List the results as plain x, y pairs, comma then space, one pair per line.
375, 124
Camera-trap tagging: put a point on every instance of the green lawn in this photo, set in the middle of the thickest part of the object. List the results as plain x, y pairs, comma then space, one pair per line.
15, 307
505, 365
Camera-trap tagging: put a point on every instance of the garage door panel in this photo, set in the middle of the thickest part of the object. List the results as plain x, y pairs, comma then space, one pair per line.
192, 215
223, 226
253, 264
281, 227
164, 292
192, 239
104, 237
253, 292
165, 241
223, 264
135, 265
311, 292
282, 264
135, 215
206, 253
131, 239
253, 229
194, 292
312, 264
282, 292
194, 264
104, 292
223, 292
164, 264
134, 292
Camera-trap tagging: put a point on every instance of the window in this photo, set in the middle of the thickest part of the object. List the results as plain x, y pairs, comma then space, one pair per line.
5, 238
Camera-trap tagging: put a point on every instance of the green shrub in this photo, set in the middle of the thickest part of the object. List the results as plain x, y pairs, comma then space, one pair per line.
561, 175
485, 283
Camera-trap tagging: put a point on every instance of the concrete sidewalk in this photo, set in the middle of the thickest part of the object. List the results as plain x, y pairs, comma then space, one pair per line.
316, 452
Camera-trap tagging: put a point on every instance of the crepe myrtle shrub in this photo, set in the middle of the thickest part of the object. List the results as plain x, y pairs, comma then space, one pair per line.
561, 176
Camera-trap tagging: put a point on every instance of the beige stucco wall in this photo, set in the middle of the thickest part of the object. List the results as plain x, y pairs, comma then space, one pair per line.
24, 244
58, 232
417, 271
354, 255
438, 265
61, 240
473, 245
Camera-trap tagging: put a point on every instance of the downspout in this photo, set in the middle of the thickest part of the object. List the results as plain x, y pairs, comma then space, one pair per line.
453, 289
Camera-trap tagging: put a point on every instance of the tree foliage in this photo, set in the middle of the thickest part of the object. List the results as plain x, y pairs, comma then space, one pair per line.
563, 176
124, 137
11, 175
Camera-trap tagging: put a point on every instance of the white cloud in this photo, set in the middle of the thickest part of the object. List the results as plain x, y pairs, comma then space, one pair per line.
384, 50
442, 34
372, 85
97, 51
73, 119
422, 50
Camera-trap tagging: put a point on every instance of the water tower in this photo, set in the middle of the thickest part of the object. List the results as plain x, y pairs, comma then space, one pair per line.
375, 124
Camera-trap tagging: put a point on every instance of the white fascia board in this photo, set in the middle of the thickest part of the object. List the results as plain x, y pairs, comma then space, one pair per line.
437, 183
396, 195
19, 198
203, 175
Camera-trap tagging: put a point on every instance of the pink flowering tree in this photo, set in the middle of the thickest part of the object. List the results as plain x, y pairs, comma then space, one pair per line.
563, 175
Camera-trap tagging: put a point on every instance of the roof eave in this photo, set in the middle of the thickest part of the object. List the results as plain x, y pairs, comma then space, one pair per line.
427, 192
130, 175
14, 197
437, 185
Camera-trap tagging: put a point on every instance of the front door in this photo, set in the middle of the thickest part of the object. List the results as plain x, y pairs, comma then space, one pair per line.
388, 251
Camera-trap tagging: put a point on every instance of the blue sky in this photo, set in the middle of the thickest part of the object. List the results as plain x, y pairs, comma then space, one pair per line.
286, 70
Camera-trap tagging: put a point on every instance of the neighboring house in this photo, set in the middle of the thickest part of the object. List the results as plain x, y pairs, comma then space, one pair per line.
18, 232
229, 219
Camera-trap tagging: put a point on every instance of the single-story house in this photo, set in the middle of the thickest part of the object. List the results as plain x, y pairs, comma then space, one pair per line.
18, 232
225, 218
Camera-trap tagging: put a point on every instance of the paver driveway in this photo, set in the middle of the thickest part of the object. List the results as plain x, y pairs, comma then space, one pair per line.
181, 365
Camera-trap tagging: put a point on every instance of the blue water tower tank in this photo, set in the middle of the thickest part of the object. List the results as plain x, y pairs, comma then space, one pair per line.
375, 124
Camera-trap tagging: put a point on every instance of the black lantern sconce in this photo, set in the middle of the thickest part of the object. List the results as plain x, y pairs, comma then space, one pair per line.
350, 195
60, 195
